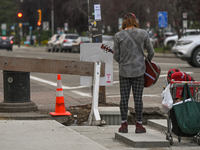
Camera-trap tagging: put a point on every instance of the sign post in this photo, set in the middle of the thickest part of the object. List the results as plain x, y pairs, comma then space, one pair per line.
95, 32
185, 21
162, 21
3, 27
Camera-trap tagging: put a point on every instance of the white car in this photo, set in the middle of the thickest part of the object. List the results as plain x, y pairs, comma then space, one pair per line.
51, 41
65, 42
188, 49
171, 40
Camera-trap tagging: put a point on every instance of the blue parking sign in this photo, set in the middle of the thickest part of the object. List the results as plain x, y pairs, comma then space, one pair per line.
162, 19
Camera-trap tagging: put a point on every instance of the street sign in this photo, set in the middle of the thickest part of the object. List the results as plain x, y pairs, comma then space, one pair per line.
3, 32
162, 19
3, 26
120, 20
45, 26
66, 26
92, 52
97, 12
185, 15
25, 24
185, 24
12, 27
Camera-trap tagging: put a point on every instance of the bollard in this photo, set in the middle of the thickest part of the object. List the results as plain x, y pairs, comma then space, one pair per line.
17, 92
16, 86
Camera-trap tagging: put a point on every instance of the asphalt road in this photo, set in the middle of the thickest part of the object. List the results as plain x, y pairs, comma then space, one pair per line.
71, 83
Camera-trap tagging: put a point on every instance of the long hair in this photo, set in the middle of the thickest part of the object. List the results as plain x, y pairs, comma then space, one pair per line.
129, 22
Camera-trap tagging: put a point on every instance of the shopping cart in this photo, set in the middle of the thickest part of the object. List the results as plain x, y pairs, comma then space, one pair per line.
176, 88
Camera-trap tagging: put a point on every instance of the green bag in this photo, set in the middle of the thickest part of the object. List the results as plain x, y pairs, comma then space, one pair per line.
188, 113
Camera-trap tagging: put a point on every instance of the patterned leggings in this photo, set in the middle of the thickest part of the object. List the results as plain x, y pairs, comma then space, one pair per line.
137, 85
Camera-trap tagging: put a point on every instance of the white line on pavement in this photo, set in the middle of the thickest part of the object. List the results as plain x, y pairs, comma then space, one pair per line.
55, 84
81, 93
148, 95
87, 94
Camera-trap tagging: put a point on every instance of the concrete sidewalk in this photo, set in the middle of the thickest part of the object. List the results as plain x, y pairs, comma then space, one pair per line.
42, 135
51, 135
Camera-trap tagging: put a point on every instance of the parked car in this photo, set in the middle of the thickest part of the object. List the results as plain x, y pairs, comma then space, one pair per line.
64, 43
153, 39
170, 41
158, 39
77, 43
50, 43
6, 43
106, 39
188, 49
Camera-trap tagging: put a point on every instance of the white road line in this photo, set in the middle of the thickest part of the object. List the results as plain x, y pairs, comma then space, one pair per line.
151, 96
115, 82
164, 75
87, 94
81, 93
132, 96
54, 84
113, 96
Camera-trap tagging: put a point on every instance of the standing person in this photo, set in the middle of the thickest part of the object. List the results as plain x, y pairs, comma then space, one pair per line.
131, 68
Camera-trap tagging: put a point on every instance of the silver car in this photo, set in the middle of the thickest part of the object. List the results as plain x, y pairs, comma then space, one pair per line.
65, 42
170, 41
188, 49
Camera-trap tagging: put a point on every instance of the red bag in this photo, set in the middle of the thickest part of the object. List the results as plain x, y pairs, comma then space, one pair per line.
178, 75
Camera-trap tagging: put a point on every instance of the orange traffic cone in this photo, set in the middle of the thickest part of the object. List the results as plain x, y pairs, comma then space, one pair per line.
60, 103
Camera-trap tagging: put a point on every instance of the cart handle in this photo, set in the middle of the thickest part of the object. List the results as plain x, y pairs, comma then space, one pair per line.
189, 82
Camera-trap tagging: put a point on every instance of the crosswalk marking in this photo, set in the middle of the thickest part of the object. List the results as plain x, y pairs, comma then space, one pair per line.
89, 94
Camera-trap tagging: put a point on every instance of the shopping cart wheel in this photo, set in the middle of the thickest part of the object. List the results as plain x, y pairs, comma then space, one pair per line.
167, 135
179, 139
171, 140
198, 140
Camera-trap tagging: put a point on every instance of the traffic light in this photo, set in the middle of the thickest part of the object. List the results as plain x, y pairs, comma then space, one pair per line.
39, 23
19, 15
20, 25
39, 15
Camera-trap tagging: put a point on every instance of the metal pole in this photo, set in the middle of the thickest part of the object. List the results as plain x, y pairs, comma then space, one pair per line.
95, 35
89, 31
19, 36
52, 18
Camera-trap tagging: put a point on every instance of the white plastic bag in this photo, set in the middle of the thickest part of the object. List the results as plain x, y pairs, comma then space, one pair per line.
167, 102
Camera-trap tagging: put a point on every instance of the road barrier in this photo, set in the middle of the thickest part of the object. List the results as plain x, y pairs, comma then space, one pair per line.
17, 72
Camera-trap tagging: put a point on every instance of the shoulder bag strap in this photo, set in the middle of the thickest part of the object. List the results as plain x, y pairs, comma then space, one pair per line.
130, 35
